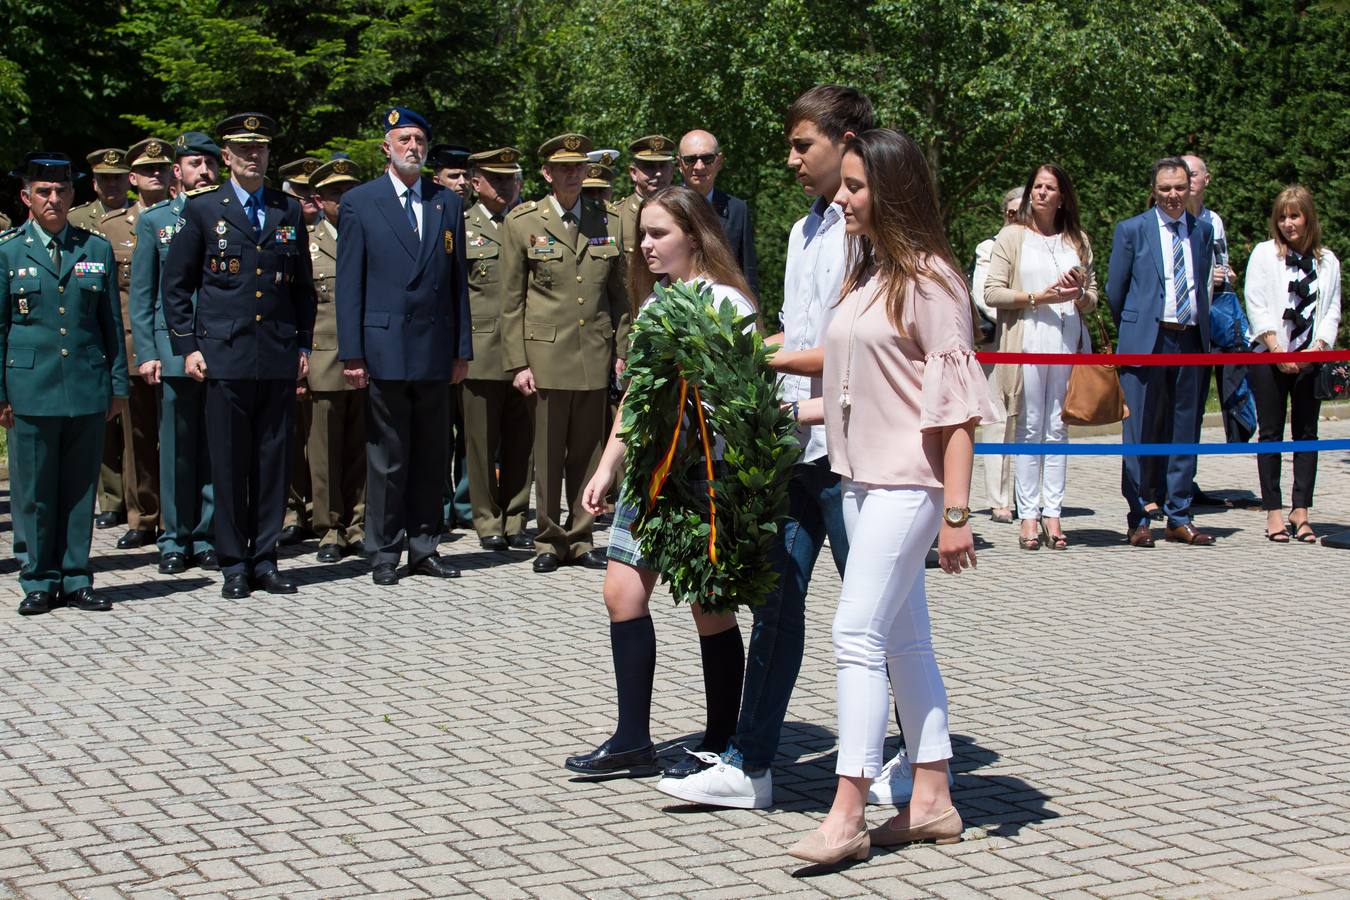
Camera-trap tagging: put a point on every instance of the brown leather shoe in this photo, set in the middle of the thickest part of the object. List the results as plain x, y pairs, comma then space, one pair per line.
1187, 534
1142, 536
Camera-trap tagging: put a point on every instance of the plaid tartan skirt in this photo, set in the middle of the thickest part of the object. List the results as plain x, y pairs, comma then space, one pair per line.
623, 547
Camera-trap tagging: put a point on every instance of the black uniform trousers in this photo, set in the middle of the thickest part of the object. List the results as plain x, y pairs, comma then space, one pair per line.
1277, 394
407, 442
250, 425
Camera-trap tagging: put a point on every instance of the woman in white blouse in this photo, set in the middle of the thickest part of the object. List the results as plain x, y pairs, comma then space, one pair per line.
1294, 304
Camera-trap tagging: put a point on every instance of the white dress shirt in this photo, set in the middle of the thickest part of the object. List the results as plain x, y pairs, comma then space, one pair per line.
415, 199
817, 261
1169, 289
575, 209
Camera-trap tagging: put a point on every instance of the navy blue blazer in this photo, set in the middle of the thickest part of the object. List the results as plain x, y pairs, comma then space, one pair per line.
735, 218
402, 305
1136, 286
254, 309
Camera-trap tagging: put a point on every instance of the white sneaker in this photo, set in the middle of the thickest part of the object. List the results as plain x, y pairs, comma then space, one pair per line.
895, 783
721, 784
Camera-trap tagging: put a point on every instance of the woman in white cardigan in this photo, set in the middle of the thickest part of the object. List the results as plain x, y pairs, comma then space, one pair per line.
1293, 292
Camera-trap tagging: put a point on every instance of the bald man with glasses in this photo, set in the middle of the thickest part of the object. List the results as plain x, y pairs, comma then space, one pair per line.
700, 160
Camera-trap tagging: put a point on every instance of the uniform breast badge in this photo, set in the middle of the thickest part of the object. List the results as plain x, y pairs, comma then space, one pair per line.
449, 242
234, 266
23, 306
220, 227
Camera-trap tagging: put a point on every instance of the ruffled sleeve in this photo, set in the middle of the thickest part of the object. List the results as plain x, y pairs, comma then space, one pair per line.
955, 390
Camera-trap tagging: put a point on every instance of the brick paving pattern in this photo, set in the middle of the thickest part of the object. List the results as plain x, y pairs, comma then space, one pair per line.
1129, 723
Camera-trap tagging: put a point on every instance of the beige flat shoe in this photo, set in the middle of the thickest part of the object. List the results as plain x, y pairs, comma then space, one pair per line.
945, 829
813, 849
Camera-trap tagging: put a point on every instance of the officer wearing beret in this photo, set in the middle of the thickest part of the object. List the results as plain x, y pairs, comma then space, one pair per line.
564, 314
498, 419
187, 501
240, 251
336, 442
652, 168
64, 374
403, 329
131, 447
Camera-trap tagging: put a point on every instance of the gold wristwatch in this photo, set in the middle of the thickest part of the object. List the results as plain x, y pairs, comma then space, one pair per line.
956, 516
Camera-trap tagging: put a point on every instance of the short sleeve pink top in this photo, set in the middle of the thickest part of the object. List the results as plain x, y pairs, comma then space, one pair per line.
903, 386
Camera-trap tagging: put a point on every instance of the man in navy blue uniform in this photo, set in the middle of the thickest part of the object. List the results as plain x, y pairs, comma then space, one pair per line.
403, 329
242, 249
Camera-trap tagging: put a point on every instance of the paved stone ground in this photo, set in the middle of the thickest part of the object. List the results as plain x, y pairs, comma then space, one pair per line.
1166, 723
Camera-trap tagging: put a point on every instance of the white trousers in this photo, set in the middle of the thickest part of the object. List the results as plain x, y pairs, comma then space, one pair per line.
1040, 479
882, 626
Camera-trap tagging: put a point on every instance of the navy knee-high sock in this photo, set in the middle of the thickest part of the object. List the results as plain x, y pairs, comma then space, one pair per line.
633, 644
723, 678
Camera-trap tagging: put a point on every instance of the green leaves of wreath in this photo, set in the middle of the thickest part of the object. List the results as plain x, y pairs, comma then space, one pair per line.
683, 335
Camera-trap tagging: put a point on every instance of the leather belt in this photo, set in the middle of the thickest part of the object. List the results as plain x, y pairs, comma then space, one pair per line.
1174, 326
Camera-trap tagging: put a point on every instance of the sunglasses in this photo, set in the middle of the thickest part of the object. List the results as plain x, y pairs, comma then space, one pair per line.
706, 158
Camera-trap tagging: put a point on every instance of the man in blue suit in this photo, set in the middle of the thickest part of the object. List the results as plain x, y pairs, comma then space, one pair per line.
403, 330
1158, 290
700, 162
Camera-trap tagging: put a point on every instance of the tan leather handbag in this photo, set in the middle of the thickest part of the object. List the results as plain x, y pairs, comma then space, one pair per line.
1094, 396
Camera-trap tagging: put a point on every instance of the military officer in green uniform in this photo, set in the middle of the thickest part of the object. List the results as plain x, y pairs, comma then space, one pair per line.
337, 429
599, 182
652, 168
64, 375
186, 496
299, 522
564, 315
498, 419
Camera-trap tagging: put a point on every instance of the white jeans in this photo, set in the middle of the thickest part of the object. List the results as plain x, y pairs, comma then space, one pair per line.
882, 625
1040, 479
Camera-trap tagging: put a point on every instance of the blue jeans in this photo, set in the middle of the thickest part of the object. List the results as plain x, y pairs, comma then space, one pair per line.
778, 637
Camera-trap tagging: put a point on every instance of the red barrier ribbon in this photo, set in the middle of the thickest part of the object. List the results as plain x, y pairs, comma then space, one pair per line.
1160, 359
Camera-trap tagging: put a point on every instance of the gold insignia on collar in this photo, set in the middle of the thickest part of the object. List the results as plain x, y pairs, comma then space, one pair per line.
251, 123
393, 117
571, 142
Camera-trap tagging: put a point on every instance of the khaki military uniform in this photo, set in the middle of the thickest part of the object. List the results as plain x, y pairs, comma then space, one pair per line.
564, 313
129, 477
498, 419
336, 442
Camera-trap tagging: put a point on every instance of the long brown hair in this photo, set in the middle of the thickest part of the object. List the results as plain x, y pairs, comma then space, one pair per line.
1066, 217
904, 219
1299, 198
713, 259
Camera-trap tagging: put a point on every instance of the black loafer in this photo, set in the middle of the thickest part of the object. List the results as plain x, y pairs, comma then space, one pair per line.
494, 542
292, 534
235, 587
207, 560
173, 564
108, 520
385, 574
35, 604
688, 764
601, 761
329, 553
274, 582
135, 538
436, 567
592, 559
546, 562
520, 541
85, 598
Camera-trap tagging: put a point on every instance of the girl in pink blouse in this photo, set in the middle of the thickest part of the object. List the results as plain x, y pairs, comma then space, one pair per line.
903, 394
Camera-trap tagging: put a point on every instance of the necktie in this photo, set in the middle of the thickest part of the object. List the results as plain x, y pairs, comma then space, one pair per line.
408, 205
1183, 295
252, 208
56, 255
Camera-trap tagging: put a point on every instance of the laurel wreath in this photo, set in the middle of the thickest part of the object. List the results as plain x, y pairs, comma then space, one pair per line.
696, 371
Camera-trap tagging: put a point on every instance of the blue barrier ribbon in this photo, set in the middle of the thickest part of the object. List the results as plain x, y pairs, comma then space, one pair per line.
1162, 449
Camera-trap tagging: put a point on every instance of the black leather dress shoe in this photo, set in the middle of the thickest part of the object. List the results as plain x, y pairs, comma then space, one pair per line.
546, 562
108, 520
173, 564
385, 574
35, 604
601, 761
235, 587
207, 560
494, 542
85, 598
520, 541
292, 534
329, 553
436, 567
135, 538
274, 582
592, 559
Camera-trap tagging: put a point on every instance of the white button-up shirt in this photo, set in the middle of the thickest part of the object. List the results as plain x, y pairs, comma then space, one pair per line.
1169, 287
817, 261
415, 198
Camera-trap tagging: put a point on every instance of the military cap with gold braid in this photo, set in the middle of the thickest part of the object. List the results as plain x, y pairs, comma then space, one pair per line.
565, 148
150, 152
335, 171
502, 161
246, 128
653, 148
299, 171
598, 175
108, 161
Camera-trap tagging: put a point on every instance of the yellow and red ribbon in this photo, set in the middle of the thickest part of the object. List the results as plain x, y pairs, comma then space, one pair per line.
662, 471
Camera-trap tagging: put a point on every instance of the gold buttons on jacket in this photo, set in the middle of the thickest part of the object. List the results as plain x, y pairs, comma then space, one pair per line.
581, 321
257, 293
260, 271
65, 352
61, 310
258, 317
578, 278
63, 332
61, 289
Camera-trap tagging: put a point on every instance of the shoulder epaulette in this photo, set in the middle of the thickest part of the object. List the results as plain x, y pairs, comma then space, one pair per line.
9, 234
159, 204
613, 207
202, 190
526, 207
